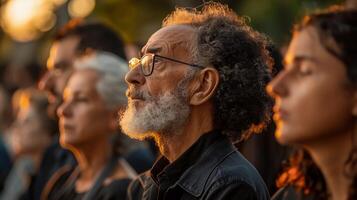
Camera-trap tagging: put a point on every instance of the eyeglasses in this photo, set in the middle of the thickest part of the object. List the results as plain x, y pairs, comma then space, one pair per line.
147, 63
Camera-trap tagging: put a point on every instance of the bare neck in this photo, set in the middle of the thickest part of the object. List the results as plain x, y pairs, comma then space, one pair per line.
92, 158
200, 122
330, 156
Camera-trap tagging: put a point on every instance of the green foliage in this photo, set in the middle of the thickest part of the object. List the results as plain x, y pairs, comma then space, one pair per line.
275, 17
137, 20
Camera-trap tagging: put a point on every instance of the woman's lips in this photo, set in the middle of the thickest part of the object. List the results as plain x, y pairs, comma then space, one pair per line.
67, 127
280, 114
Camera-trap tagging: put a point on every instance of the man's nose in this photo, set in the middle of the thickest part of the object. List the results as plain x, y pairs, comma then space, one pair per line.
47, 82
135, 76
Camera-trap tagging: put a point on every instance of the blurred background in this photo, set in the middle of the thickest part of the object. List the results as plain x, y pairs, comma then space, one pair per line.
26, 26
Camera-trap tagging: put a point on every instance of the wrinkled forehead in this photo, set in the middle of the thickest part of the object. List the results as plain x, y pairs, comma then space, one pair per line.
169, 39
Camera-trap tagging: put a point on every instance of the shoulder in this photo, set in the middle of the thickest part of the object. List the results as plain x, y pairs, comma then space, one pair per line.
137, 186
237, 173
233, 190
57, 181
117, 189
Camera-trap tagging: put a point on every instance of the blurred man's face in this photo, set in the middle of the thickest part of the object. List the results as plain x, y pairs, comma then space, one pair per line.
59, 65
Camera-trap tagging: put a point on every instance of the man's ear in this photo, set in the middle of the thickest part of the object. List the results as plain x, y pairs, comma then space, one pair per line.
204, 85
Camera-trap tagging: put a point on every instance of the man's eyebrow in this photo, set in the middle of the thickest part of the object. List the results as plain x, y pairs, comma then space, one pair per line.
61, 65
151, 50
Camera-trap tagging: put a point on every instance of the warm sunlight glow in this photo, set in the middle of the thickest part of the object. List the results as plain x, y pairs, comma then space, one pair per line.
20, 11
80, 8
24, 101
58, 2
25, 20
278, 133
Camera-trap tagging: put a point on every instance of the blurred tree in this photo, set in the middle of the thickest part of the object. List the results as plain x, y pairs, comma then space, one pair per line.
137, 20
275, 17
352, 4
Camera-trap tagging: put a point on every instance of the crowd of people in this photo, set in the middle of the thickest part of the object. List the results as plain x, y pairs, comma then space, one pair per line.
198, 115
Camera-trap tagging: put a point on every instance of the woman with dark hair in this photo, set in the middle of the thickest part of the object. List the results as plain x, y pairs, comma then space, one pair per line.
316, 108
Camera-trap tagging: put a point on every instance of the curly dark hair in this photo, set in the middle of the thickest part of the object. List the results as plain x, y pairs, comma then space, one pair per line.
340, 25
240, 55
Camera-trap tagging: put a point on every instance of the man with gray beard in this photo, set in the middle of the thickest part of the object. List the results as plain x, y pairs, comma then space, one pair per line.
198, 88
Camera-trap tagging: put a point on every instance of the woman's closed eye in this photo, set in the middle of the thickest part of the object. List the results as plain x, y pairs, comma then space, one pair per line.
304, 70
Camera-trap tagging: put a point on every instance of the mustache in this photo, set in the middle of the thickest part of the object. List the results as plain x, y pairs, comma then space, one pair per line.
136, 94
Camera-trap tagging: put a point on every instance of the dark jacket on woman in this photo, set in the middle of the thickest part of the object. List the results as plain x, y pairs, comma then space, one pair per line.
210, 169
61, 187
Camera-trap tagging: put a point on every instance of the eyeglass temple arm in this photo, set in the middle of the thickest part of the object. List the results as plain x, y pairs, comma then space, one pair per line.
185, 63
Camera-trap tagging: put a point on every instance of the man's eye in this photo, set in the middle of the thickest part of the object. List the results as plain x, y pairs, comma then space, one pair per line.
81, 99
57, 71
157, 60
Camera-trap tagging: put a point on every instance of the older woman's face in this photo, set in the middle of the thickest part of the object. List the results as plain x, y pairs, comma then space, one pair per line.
313, 98
84, 117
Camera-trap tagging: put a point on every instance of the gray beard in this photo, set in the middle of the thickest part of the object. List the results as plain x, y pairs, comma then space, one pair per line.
162, 116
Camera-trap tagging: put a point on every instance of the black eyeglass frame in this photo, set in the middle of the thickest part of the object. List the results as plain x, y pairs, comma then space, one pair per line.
163, 57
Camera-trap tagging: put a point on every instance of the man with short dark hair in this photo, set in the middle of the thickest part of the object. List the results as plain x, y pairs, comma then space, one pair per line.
198, 88
73, 40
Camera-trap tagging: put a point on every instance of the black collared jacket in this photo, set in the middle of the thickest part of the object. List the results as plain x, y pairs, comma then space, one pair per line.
210, 169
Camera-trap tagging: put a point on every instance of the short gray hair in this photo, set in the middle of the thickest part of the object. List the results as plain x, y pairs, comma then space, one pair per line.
111, 69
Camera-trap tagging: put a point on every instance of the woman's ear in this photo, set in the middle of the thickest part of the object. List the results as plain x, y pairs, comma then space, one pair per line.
204, 85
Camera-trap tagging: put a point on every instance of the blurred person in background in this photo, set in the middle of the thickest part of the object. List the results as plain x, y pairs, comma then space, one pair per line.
32, 132
5, 150
316, 108
198, 88
88, 121
351, 4
72, 40
18, 76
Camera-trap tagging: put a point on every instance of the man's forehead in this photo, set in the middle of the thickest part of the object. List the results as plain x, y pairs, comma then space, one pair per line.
166, 36
62, 51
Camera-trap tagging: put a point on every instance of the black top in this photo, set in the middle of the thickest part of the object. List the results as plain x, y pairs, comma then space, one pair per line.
115, 190
53, 159
210, 169
56, 157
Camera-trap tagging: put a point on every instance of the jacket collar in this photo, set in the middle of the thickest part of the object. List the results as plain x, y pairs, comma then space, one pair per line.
208, 152
194, 179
